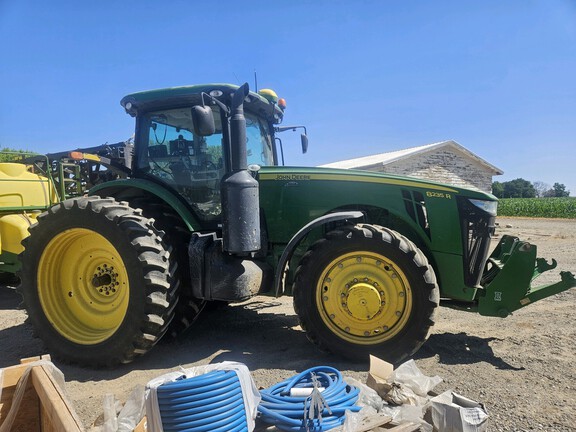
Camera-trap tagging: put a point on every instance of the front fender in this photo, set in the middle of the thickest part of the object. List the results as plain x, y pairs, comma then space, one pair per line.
299, 236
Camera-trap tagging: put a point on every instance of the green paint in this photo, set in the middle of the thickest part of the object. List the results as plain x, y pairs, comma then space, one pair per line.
119, 187
508, 285
9, 262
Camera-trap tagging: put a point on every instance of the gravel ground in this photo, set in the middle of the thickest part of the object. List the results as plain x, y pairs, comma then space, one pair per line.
521, 367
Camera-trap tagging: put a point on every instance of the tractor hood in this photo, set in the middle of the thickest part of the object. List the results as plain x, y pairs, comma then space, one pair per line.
303, 173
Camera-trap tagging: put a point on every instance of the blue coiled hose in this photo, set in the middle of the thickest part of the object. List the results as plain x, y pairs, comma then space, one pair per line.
210, 402
287, 412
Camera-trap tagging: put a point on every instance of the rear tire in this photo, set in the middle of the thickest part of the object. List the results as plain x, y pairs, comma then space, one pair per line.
177, 234
9, 279
363, 290
97, 281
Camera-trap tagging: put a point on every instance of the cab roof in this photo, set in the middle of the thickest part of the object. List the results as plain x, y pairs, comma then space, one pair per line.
172, 97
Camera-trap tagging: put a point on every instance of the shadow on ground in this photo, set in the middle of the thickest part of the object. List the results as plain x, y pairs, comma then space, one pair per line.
256, 334
248, 334
461, 348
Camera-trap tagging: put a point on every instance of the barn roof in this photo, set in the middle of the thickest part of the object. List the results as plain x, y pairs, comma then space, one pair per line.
389, 157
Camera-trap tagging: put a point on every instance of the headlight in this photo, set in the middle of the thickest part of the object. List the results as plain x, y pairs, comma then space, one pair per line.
489, 207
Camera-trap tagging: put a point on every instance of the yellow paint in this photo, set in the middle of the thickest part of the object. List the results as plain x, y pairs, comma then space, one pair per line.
364, 298
83, 286
20, 188
14, 229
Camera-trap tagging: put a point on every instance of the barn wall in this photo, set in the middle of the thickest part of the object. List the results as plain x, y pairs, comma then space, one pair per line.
446, 166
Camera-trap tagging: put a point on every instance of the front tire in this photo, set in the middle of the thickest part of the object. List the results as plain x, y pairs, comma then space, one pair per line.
363, 290
96, 281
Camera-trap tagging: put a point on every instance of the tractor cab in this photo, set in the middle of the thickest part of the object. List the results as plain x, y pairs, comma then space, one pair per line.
169, 150
172, 153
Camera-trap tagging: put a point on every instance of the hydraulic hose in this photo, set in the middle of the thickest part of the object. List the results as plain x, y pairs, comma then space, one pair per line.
211, 402
298, 413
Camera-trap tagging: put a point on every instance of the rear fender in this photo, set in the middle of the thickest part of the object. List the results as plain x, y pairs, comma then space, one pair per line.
508, 277
125, 188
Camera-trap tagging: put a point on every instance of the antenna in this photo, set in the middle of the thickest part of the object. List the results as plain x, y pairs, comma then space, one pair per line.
255, 81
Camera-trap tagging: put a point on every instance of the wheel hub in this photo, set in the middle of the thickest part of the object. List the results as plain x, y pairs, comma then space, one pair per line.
104, 280
363, 301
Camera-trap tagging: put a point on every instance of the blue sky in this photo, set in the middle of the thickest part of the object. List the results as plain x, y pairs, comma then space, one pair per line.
365, 77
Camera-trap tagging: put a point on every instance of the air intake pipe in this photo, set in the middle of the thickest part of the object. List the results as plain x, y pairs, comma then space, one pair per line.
239, 190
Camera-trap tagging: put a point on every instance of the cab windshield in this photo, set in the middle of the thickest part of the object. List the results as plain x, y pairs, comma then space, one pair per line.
192, 164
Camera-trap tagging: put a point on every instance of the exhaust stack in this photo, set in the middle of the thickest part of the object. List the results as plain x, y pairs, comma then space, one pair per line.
239, 190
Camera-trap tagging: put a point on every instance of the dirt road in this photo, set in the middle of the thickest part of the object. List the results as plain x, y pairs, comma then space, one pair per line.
521, 367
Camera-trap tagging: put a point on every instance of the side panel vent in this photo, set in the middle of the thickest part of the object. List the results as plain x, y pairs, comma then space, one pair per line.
416, 208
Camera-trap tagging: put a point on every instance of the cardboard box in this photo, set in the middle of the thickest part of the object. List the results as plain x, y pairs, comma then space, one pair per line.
378, 376
451, 412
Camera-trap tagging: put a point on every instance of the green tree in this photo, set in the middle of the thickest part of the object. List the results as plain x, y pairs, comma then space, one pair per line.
518, 188
497, 189
8, 154
560, 190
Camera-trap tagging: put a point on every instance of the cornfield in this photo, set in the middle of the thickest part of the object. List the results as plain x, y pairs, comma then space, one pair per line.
538, 207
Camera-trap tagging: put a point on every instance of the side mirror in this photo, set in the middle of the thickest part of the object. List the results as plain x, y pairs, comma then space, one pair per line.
304, 140
203, 120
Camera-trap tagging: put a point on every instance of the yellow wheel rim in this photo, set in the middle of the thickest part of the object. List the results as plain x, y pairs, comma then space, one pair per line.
83, 286
364, 298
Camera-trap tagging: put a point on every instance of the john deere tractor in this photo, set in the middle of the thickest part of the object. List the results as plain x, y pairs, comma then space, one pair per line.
197, 209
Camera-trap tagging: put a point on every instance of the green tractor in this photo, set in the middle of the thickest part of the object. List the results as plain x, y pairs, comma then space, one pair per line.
197, 209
